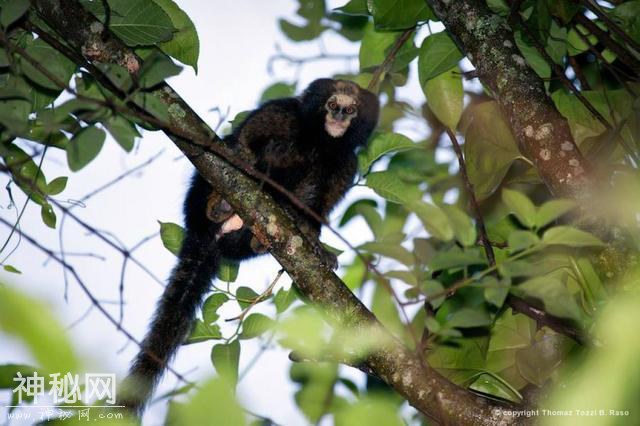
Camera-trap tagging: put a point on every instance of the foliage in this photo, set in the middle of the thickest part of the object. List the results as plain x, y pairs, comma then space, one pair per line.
425, 240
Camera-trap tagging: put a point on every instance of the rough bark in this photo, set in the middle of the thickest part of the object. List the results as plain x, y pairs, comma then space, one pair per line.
401, 368
542, 133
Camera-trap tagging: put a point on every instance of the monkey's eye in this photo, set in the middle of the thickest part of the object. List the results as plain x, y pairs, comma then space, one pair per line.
350, 109
333, 106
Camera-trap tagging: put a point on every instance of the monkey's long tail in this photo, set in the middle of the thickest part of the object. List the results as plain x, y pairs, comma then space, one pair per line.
173, 318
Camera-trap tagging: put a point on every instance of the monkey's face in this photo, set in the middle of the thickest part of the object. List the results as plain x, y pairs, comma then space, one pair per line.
341, 109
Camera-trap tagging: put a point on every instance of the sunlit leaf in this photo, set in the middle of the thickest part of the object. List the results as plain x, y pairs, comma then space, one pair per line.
568, 236
438, 54
226, 358
254, 325
184, 45
444, 96
33, 323
520, 205
172, 236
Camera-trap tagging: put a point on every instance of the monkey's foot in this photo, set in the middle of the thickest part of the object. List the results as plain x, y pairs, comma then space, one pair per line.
232, 224
218, 210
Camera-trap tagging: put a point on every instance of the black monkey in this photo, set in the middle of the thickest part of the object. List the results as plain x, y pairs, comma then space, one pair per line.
306, 144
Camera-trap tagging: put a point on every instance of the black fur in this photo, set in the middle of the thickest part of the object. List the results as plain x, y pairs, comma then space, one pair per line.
286, 140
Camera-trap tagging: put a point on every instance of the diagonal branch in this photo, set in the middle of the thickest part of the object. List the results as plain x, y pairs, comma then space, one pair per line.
401, 368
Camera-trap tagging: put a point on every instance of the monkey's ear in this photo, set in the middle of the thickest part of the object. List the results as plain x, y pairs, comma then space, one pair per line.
320, 86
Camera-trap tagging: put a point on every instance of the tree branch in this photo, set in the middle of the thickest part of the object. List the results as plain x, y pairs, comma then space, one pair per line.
401, 368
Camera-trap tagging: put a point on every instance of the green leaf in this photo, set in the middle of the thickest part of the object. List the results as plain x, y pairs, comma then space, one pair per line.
172, 236
614, 105
463, 227
56, 64
468, 318
123, 131
12, 269
400, 14
277, 91
355, 8
368, 210
57, 185
557, 43
185, 45
226, 358
551, 210
381, 144
444, 96
489, 148
373, 47
576, 43
511, 331
456, 258
431, 288
571, 237
28, 176
12, 10
385, 310
84, 147
495, 292
32, 322
521, 240
499, 6
389, 186
355, 274
245, 296
156, 68
370, 410
490, 385
433, 218
48, 215
198, 411
211, 306
557, 299
391, 250
239, 119
301, 33
228, 270
202, 332
520, 205
136, 22
284, 298
532, 56
438, 54
254, 325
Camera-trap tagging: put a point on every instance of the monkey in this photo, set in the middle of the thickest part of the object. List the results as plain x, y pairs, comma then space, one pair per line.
307, 144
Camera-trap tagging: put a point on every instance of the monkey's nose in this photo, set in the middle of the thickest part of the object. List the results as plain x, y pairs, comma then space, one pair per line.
338, 116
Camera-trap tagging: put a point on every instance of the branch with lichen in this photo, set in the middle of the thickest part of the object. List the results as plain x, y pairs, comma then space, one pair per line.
400, 367
542, 133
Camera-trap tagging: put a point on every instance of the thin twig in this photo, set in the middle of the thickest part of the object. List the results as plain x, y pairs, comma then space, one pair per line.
388, 60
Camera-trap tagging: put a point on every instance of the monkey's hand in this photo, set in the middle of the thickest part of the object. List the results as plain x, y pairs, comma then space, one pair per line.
327, 258
312, 233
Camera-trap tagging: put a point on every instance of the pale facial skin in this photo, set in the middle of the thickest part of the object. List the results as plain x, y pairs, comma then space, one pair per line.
341, 109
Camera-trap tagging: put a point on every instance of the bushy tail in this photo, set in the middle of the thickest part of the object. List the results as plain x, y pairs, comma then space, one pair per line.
172, 321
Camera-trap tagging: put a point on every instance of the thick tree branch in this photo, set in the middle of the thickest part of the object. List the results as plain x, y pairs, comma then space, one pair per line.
542, 133
401, 368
